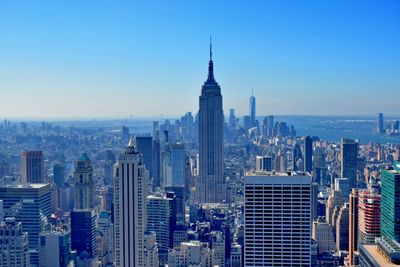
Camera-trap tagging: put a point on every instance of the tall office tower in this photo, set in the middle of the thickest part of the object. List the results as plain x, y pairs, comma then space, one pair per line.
349, 150
246, 122
337, 197
156, 129
130, 214
277, 216
314, 201
150, 249
308, 153
380, 126
124, 132
369, 216
342, 228
55, 248
83, 233
252, 102
59, 174
353, 225
180, 197
217, 249
30, 204
156, 182
263, 163
32, 167
211, 140
160, 219
105, 229
390, 191
322, 234
14, 249
83, 183
232, 119
178, 164
145, 147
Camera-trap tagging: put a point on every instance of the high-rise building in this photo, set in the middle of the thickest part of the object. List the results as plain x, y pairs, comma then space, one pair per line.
83, 183
369, 216
178, 164
150, 249
32, 166
263, 163
145, 147
30, 204
252, 102
390, 191
277, 216
180, 197
322, 234
349, 150
342, 228
380, 126
353, 225
308, 153
83, 233
105, 228
55, 248
211, 126
14, 249
232, 119
130, 213
59, 174
160, 213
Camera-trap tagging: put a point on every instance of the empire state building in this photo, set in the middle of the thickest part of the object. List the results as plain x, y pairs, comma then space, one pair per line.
211, 124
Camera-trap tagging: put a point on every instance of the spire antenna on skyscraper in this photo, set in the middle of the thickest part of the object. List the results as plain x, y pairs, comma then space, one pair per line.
210, 48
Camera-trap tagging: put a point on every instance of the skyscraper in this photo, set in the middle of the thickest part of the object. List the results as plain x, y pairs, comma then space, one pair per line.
252, 102
83, 233
83, 183
178, 164
380, 126
349, 150
14, 250
130, 215
211, 125
55, 248
277, 219
32, 166
30, 204
353, 225
369, 216
145, 147
59, 174
308, 153
160, 213
390, 192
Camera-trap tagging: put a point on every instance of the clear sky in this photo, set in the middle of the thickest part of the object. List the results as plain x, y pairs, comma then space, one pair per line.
108, 58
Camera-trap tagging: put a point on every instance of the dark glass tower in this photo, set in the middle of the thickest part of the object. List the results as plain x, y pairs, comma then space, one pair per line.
211, 125
349, 149
308, 152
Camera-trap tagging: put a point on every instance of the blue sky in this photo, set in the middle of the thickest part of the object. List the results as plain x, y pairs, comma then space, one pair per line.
147, 58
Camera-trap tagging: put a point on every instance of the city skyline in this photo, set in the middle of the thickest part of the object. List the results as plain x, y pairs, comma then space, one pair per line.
101, 53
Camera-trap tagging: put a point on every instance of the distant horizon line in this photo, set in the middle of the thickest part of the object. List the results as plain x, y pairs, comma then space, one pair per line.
165, 117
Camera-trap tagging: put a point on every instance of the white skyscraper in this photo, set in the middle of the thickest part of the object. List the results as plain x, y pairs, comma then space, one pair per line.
130, 216
211, 124
277, 219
